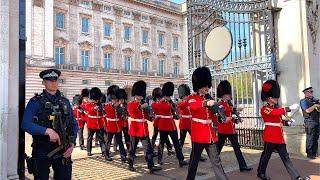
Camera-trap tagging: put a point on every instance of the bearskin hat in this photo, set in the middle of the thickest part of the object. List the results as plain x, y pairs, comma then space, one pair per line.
224, 87
95, 94
156, 93
85, 92
111, 91
167, 89
183, 90
139, 89
76, 100
201, 77
270, 88
121, 94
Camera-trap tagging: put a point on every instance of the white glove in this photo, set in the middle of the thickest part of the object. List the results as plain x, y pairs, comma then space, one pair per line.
294, 106
291, 122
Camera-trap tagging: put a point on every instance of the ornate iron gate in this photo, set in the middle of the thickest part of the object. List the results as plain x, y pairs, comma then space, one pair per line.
251, 60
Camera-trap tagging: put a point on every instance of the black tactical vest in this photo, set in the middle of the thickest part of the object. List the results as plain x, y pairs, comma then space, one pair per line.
314, 115
48, 107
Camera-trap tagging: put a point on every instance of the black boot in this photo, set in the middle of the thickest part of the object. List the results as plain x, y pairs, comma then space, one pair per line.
202, 158
107, 156
263, 177
131, 168
82, 147
89, 154
154, 168
170, 152
182, 163
123, 159
246, 168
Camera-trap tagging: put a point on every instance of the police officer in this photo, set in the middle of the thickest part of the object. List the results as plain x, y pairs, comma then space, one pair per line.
202, 134
138, 126
273, 132
165, 113
311, 116
39, 120
227, 129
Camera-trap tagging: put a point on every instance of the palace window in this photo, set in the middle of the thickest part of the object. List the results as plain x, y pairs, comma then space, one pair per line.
59, 55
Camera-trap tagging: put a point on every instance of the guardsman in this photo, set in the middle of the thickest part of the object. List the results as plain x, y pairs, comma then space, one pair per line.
138, 126
227, 129
310, 107
184, 114
112, 121
123, 116
83, 117
157, 96
77, 113
202, 133
165, 112
273, 132
95, 120
43, 118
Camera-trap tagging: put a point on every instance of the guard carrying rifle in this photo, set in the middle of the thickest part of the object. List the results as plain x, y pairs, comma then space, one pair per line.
202, 133
49, 119
227, 129
311, 112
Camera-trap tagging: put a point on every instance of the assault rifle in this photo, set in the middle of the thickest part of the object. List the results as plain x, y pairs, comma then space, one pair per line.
62, 127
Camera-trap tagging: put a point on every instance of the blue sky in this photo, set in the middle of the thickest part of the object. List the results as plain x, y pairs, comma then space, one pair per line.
178, 1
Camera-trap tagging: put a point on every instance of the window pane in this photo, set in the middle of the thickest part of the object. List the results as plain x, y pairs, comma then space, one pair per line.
85, 25
145, 65
59, 55
60, 20
175, 43
107, 61
145, 36
85, 58
107, 29
161, 40
161, 67
127, 33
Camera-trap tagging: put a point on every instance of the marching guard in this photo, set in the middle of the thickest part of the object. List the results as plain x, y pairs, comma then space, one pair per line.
113, 126
165, 113
138, 126
273, 131
202, 133
227, 129
95, 120
83, 117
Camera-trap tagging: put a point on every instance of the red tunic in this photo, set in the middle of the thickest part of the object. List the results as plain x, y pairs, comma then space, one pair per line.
138, 125
227, 127
95, 119
77, 115
84, 115
273, 131
201, 124
163, 112
184, 115
112, 122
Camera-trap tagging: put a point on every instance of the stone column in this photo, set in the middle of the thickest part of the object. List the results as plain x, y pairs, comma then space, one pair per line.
118, 39
9, 71
137, 41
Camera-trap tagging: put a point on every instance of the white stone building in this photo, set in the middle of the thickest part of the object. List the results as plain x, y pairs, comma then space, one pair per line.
103, 42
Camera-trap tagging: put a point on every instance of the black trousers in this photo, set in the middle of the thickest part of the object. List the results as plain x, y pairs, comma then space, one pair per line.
126, 139
183, 134
100, 135
215, 160
312, 130
118, 137
154, 138
148, 152
282, 150
233, 138
163, 138
43, 163
81, 139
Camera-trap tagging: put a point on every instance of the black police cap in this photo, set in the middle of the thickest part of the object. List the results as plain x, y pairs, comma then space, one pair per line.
50, 74
306, 89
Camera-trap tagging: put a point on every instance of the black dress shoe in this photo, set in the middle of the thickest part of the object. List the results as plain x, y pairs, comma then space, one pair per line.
155, 154
123, 159
245, 169
170, 152
263, 177
108, 158
154, 168
131, 168
82, 147
303, 178
89, 154
311, 156
203, 159
183, 163
160, 162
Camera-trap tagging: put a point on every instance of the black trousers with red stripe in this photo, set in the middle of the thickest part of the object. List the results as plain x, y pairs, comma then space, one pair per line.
282, 150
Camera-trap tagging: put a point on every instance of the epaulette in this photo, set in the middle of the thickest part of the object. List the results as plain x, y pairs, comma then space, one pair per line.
37, 96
